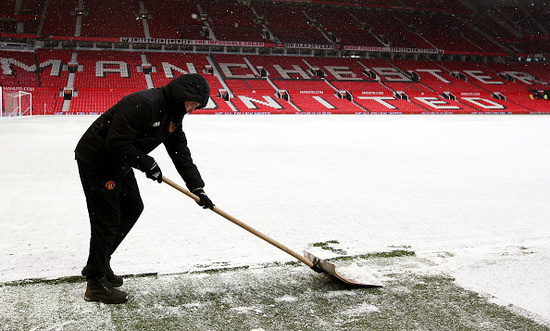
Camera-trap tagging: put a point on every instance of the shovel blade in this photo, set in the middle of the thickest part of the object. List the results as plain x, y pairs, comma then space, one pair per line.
330, 269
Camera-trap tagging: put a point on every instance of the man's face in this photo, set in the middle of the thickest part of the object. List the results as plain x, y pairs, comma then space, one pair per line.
190, 106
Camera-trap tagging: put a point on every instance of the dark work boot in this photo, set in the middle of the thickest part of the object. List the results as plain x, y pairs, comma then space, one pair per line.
99, 289
114, 280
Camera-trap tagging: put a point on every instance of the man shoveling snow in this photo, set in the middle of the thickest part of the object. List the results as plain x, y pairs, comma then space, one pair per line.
118, 141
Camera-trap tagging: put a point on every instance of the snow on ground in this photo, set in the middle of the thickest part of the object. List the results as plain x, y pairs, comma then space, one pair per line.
468, 193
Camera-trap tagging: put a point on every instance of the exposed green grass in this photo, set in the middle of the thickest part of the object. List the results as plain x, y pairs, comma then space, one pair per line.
376, 255
327, 245
273, 297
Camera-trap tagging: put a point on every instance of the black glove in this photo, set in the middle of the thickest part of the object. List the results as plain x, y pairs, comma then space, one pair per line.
154, 173
204, 201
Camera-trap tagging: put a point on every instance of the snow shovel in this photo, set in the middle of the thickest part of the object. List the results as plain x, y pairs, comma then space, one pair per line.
315, 263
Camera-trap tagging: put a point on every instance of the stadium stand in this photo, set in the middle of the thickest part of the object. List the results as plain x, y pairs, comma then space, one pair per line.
232, 21
18, 69
118, 71
97, 100
52, 61
526, 101
435, 30
60, 19
301, 29
540, 71
122, 23
374, 56
387, 29
16, 17
483, 77
339, 69
436, 77
262, 103
108, 69
342, 26
386, 103
8, 26
174, 19
328, 102
170, 65
235, 66
532, 76
287, 68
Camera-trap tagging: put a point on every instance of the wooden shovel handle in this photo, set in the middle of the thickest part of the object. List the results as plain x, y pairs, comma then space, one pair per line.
241, 224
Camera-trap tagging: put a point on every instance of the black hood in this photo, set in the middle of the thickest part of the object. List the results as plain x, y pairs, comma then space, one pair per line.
188, 87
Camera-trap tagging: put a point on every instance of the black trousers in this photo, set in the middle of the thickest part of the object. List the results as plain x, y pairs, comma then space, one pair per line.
114, 206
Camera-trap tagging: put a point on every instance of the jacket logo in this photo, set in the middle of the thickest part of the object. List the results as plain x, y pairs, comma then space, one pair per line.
172, 127
110, 185
156, 124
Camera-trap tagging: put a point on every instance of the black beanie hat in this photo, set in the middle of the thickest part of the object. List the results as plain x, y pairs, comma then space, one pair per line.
188, 87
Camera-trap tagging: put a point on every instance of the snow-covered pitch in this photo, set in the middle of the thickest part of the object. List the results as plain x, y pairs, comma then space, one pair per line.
470, 193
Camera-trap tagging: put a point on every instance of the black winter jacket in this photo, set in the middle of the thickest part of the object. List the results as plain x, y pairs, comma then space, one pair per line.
124, 135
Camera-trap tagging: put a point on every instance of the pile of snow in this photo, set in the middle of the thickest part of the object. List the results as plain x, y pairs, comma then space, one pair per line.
360, 274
